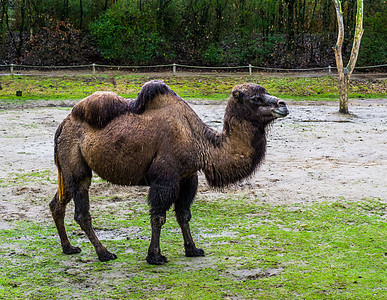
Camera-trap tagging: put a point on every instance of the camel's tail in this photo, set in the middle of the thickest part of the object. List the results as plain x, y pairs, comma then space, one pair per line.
60, 181
60, 175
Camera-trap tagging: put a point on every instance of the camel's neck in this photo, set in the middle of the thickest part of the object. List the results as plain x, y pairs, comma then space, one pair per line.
240, 151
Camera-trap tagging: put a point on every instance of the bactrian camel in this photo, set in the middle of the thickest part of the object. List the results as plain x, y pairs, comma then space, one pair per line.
159, 141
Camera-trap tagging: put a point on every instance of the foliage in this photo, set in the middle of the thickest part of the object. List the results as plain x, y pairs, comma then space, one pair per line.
123, 34
373, 48
213, 55
286, 33
57, 43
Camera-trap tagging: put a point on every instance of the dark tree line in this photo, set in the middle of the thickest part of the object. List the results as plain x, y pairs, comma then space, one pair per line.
286, 33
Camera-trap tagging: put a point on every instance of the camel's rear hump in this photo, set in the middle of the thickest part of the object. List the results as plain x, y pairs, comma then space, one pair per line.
102, 107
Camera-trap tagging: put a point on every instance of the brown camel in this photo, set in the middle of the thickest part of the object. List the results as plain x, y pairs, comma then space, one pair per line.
159, 141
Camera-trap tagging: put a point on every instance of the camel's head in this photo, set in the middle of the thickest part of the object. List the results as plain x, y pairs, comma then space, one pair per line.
251, 102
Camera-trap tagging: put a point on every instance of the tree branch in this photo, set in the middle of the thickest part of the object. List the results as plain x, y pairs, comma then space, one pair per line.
357, 38
340, 38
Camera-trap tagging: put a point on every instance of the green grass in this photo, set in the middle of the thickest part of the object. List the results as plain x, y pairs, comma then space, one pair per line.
14, 178
328, 250
214, 87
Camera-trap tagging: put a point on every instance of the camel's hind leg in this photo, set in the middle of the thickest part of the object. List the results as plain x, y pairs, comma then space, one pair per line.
58, 210
188, 187
83, 218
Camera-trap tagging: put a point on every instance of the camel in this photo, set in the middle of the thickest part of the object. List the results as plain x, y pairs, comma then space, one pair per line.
156, 140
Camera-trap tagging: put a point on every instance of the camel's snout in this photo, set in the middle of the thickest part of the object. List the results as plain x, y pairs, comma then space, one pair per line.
281, 102
281, 110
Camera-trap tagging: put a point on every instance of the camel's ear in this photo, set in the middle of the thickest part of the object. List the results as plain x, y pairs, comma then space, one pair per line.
238, 95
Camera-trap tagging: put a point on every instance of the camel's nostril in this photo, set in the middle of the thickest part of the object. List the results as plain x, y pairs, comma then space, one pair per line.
281, 109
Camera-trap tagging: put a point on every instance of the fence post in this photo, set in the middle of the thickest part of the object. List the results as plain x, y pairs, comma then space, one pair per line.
93, 69
11, 69
329, 70
174, 68
250, 71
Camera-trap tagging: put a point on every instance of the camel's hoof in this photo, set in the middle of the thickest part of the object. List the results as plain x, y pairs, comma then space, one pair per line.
71, 250
106, 256
156, 259
194, 252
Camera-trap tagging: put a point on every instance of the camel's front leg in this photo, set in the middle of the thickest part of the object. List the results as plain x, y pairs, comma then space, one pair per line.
188, 187
162, 194
154, 252
189, 245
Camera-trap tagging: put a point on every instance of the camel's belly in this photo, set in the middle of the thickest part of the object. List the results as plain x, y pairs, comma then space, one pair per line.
127, 172
119, 175
122, 161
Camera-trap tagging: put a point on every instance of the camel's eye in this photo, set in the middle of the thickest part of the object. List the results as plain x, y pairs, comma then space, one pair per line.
256, 99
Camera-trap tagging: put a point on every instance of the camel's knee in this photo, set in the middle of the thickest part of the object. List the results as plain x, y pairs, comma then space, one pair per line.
158, 220
183, 216
53, 204
57, 207
161, 197
85, 182
61, 203
82, 218
82, 206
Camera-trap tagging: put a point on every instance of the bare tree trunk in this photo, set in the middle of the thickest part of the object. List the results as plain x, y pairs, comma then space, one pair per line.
4, 9
65, 10
290, 29
80, 14
343, 93
345, 73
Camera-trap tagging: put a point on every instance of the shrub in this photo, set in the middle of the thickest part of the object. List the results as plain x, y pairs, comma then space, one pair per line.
213, 55
127, 35
57, 43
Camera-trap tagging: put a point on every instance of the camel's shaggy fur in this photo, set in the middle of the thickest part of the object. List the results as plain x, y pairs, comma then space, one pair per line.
100, 108
156, 140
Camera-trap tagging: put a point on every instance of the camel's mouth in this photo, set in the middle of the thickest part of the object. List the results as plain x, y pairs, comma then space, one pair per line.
280, 112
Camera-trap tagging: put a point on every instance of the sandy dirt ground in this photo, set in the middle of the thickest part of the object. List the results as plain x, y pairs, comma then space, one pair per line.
314, 154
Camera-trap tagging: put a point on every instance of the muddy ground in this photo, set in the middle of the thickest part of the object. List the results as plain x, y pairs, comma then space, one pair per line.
314, 154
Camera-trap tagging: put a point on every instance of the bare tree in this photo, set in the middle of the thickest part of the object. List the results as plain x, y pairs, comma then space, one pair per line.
3, 14
80, 14
345, 72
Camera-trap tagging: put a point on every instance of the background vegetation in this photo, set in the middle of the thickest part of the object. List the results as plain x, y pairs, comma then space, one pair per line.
286, 33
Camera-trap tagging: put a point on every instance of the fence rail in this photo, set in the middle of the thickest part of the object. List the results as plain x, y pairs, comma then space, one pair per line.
174, 66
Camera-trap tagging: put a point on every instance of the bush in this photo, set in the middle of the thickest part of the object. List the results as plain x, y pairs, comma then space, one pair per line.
127, 35
257, 50
57, 43
213, 55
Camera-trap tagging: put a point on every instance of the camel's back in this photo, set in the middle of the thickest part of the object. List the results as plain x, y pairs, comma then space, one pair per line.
100, 108
157, 113
166, 118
